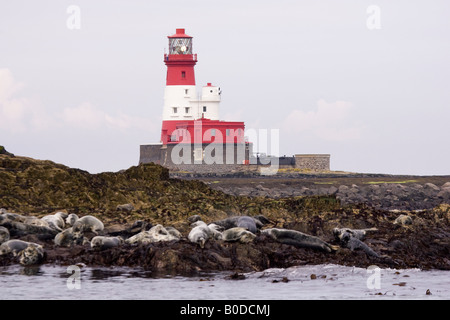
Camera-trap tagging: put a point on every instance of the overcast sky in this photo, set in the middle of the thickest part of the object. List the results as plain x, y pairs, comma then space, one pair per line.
365, 81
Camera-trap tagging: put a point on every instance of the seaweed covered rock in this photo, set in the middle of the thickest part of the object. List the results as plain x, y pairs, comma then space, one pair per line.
3, 151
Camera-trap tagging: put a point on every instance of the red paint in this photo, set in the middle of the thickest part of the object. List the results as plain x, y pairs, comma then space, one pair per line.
179, 34
180, 71
176, 65
174, 131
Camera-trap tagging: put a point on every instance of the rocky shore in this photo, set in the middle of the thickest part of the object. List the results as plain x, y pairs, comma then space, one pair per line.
378, 191
147, 193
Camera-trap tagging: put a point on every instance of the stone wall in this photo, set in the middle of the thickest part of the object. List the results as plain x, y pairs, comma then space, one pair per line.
150, 153
315, 162
159, 154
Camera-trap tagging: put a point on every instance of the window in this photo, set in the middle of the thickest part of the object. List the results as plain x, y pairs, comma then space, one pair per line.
213, 132
198, 154
175, 109
186, 109
228, 132
186, 91
204, 108
183, 74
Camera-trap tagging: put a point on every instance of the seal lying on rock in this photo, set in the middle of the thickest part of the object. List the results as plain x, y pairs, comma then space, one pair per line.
128, 207
29, 253
75, 235
4, 234
194, 218
69, 237
71, 219
352, 239
253, 224
174, 232
102, 243
216, 231
35, 221
18, 225
33, 254
88, 223
155, 234
127, 232
13, 246
248, 223
357, 233
200, 233
403, 220
298, 239
56, 221
238, 234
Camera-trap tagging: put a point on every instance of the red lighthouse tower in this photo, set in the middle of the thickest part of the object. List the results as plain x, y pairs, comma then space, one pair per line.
182, 104
180, 61
190, 118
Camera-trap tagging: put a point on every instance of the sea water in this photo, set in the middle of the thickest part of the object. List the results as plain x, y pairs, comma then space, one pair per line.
326, 281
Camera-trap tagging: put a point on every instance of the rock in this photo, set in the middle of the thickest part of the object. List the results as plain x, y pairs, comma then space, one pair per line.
125, 207
431, 186
332, 190
3, 151
446, 185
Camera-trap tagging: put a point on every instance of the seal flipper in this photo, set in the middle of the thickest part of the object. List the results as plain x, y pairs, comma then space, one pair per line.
354, 243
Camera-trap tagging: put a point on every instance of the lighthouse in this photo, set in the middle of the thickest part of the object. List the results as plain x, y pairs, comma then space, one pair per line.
191, 129
183, 105
193, 138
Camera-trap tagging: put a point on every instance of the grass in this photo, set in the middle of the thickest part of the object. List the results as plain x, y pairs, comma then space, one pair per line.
379, 182
326, 182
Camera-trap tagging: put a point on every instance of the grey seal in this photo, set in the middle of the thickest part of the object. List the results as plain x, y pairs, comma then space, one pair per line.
35, 221
238, 234
13, 246
352, 239
200, 233
298, 239
174, 232
71, 219
20, 226
29, 253
128, 207
216, 231
88, 223
4, 234
56, 221
102, 242
155, 234
253, 224
194, 218
359, 234
403, 220
69, 237
33, 254
127, 232
248, 223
